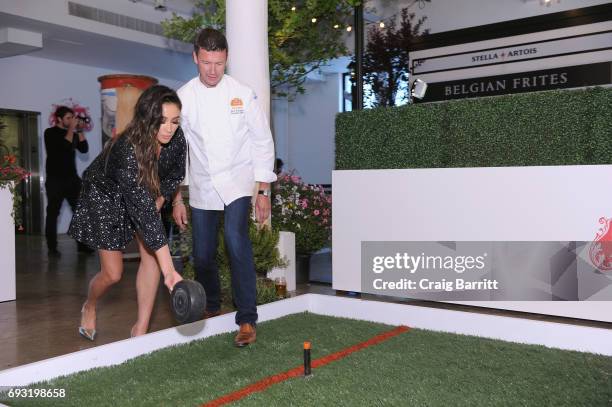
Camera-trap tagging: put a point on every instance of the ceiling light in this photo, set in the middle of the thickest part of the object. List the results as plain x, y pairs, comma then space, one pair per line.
160, 5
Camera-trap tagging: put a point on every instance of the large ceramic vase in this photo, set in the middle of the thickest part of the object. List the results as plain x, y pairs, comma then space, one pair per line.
119, 94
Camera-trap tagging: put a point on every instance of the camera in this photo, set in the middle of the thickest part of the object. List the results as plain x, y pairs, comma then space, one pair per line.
84, 119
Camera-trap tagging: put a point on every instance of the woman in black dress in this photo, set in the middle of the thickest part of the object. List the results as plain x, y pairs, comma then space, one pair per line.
123, 190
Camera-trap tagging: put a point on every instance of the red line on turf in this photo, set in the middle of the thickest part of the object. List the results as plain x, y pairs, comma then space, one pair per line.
299, 371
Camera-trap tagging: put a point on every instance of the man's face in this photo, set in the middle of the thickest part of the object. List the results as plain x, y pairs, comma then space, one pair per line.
211, 66
65, 121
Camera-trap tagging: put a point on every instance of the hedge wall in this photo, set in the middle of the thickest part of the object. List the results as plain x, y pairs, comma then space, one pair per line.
539, 128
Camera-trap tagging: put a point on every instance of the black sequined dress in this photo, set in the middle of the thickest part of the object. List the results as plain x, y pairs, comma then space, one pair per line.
113, 205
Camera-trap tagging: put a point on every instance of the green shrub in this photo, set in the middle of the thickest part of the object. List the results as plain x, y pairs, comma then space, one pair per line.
265, 253
266, 291
558, 127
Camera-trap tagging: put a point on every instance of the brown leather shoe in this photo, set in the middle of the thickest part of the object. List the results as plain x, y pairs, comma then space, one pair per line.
246, 335
210, 314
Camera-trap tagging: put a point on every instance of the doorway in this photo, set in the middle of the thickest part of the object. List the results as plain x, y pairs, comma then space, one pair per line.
21, 138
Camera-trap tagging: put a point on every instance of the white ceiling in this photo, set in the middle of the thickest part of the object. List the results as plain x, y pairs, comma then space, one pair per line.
81, 47
185, 7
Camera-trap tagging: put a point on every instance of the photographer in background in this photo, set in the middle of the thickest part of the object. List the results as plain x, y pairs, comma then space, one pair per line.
62, 179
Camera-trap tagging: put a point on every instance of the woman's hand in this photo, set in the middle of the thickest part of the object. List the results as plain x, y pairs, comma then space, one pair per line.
171, 279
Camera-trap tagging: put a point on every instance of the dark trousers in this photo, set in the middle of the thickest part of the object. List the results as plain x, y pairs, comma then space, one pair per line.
59, 189
204, 225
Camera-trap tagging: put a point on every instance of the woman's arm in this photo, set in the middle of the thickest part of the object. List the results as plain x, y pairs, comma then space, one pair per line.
164, 259
141, 208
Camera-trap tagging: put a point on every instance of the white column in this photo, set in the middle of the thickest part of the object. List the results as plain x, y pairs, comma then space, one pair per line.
246, 25
246, 29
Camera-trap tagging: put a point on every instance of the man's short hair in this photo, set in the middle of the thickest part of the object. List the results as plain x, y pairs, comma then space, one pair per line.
210, 39
62, 111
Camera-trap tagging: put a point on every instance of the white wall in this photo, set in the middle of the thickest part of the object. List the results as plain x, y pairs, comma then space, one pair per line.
56, 12
35, 84
447, 15
279, 121
304, 129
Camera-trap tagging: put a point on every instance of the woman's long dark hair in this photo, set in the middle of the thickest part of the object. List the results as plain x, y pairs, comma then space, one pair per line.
142, 132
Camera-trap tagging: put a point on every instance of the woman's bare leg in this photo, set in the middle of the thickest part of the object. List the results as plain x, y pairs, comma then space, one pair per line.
147, 283
111, 269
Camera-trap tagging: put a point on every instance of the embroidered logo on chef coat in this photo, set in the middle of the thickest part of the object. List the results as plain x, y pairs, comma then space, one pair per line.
237, 106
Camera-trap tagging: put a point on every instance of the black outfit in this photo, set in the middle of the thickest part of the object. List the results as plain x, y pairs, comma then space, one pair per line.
62, 179
113, 205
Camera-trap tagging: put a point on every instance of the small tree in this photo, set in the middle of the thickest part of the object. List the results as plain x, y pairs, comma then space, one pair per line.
386, 62
297, 45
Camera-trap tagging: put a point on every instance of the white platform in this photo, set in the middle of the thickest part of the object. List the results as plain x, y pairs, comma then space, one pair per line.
7, 248
555, 335
502, 204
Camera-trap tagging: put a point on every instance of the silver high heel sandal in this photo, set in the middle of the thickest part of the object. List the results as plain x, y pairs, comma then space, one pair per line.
89, 334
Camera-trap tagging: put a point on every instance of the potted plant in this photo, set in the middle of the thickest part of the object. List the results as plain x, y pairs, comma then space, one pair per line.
10, 175
305, 210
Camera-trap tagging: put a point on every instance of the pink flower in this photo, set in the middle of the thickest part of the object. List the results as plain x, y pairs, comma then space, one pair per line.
316, 212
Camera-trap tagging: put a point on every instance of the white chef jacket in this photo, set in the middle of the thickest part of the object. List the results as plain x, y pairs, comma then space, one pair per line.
230, 142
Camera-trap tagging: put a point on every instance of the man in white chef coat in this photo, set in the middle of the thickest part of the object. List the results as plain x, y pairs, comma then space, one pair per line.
230, 149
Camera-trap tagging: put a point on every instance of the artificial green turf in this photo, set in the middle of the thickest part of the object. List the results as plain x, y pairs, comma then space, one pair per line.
424, 368
415, 368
